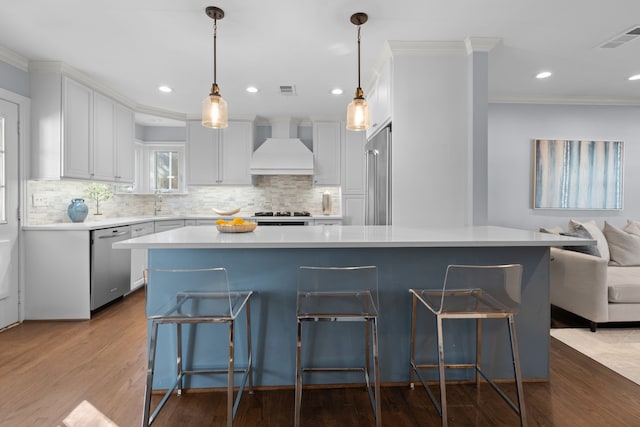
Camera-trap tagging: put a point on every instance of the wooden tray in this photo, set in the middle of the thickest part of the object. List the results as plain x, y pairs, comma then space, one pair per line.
237, 228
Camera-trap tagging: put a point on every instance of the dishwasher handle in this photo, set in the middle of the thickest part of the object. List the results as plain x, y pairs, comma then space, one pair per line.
115, 234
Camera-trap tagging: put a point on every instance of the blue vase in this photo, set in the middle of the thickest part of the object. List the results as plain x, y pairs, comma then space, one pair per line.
77, 210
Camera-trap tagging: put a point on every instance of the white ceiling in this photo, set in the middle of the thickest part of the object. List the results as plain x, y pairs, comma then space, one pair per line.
133, 46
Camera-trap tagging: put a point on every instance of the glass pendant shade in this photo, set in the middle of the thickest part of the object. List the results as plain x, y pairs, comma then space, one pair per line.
358, 114
214, 112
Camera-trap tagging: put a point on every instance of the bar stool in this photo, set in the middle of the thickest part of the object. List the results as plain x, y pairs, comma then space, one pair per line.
472, 292
340, 294
208, 299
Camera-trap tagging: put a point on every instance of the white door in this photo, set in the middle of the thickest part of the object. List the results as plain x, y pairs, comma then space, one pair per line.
8, 214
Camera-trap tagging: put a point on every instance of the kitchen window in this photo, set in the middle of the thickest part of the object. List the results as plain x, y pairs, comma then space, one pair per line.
159, 167
167, 170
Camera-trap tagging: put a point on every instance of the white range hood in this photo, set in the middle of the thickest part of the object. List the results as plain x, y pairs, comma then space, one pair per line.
283, 154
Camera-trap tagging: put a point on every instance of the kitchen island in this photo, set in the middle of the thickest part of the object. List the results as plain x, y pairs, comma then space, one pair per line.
267, 260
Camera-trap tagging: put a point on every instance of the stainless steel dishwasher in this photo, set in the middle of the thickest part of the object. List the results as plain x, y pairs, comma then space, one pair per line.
110, 268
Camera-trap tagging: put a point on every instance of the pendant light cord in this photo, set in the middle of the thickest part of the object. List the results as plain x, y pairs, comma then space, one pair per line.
359, 87
215, 39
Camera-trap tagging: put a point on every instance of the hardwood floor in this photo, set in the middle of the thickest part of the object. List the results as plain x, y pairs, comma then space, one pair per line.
47, 368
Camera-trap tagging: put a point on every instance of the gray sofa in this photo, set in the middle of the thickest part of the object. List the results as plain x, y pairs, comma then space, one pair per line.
589, 287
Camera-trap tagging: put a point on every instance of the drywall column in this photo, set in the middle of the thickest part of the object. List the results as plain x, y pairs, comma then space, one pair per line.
430, 120
478, 116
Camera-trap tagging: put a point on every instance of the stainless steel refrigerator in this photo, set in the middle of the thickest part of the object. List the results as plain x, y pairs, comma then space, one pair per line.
378, 179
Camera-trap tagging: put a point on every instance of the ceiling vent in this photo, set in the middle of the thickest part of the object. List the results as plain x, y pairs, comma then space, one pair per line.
621, 39
288, 90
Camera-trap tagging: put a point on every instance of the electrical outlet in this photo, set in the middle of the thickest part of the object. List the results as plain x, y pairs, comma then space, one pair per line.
38, 200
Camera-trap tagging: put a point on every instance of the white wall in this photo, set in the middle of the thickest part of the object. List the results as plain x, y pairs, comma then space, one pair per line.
512, 127
430, 149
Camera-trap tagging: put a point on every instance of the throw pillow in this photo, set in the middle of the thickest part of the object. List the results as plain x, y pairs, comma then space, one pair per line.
624, 247
632, 227
586, 249
596, 234
553, 230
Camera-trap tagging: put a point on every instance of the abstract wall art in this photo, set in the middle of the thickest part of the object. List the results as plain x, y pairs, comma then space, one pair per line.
577, 174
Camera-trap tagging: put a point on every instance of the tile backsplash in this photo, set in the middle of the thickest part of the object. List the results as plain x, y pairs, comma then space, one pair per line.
270, 193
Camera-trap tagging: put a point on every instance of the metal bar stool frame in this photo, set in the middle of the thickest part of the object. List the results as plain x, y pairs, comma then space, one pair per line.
175, 316
483, 300
369, 316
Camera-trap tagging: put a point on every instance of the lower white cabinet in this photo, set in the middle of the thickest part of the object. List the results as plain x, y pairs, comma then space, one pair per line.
353, 209
327, 221
168, 224
139, 256
57, 274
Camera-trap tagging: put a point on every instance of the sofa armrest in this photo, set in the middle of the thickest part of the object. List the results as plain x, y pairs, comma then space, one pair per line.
579, 284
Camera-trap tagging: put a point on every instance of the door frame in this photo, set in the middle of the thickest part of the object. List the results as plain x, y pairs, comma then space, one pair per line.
24, 142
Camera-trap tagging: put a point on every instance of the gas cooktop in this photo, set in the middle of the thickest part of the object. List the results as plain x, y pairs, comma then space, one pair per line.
283, 213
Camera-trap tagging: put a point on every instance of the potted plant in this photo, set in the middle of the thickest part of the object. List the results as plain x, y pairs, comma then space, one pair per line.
99, 192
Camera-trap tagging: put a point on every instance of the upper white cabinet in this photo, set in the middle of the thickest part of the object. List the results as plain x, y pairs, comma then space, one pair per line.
379, 99
76, 119
219, 156
125, 140
326, 153
353, 162
78, 132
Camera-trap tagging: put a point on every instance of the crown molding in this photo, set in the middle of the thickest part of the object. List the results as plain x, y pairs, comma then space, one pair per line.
153, 111
426, 48
481, 44
15, 59
69, 71
565, 101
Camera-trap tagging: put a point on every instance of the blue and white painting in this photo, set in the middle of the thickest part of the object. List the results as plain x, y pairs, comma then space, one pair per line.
577, 174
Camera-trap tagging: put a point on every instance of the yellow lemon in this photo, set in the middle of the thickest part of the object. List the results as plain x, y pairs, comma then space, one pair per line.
237, 221
221, 221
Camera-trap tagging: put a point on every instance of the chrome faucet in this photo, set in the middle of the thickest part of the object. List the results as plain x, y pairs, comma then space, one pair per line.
157, 200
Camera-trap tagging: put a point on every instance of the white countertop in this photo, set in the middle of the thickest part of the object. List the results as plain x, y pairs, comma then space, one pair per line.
117, 222
337, 236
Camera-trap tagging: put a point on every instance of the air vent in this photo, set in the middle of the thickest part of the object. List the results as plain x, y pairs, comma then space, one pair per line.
287, 90
621, 39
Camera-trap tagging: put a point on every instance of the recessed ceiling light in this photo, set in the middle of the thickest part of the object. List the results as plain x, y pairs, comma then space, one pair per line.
337, 91
543, 75
635, 77
252, 89
165, 89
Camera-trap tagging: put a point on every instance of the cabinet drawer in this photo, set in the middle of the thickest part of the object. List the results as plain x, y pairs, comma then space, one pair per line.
168, 224
142, 229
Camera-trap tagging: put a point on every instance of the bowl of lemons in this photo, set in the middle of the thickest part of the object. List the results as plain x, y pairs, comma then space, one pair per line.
237, 225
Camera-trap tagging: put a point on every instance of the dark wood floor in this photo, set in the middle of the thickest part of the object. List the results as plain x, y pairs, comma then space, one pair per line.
47, 368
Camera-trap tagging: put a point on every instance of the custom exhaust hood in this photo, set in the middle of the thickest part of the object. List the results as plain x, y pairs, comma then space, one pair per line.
282, 154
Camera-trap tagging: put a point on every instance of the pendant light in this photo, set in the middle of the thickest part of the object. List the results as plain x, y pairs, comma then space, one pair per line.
358, 110
214, 107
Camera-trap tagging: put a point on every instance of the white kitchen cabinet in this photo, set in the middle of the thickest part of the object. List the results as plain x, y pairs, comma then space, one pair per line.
113, 139
219, 156
57, 282
125, 140
76, 118
168, 224
379, 99
353, 209
326, 153
104, 138
353, 159
206, 222
139, 257
78, 132
326, 221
